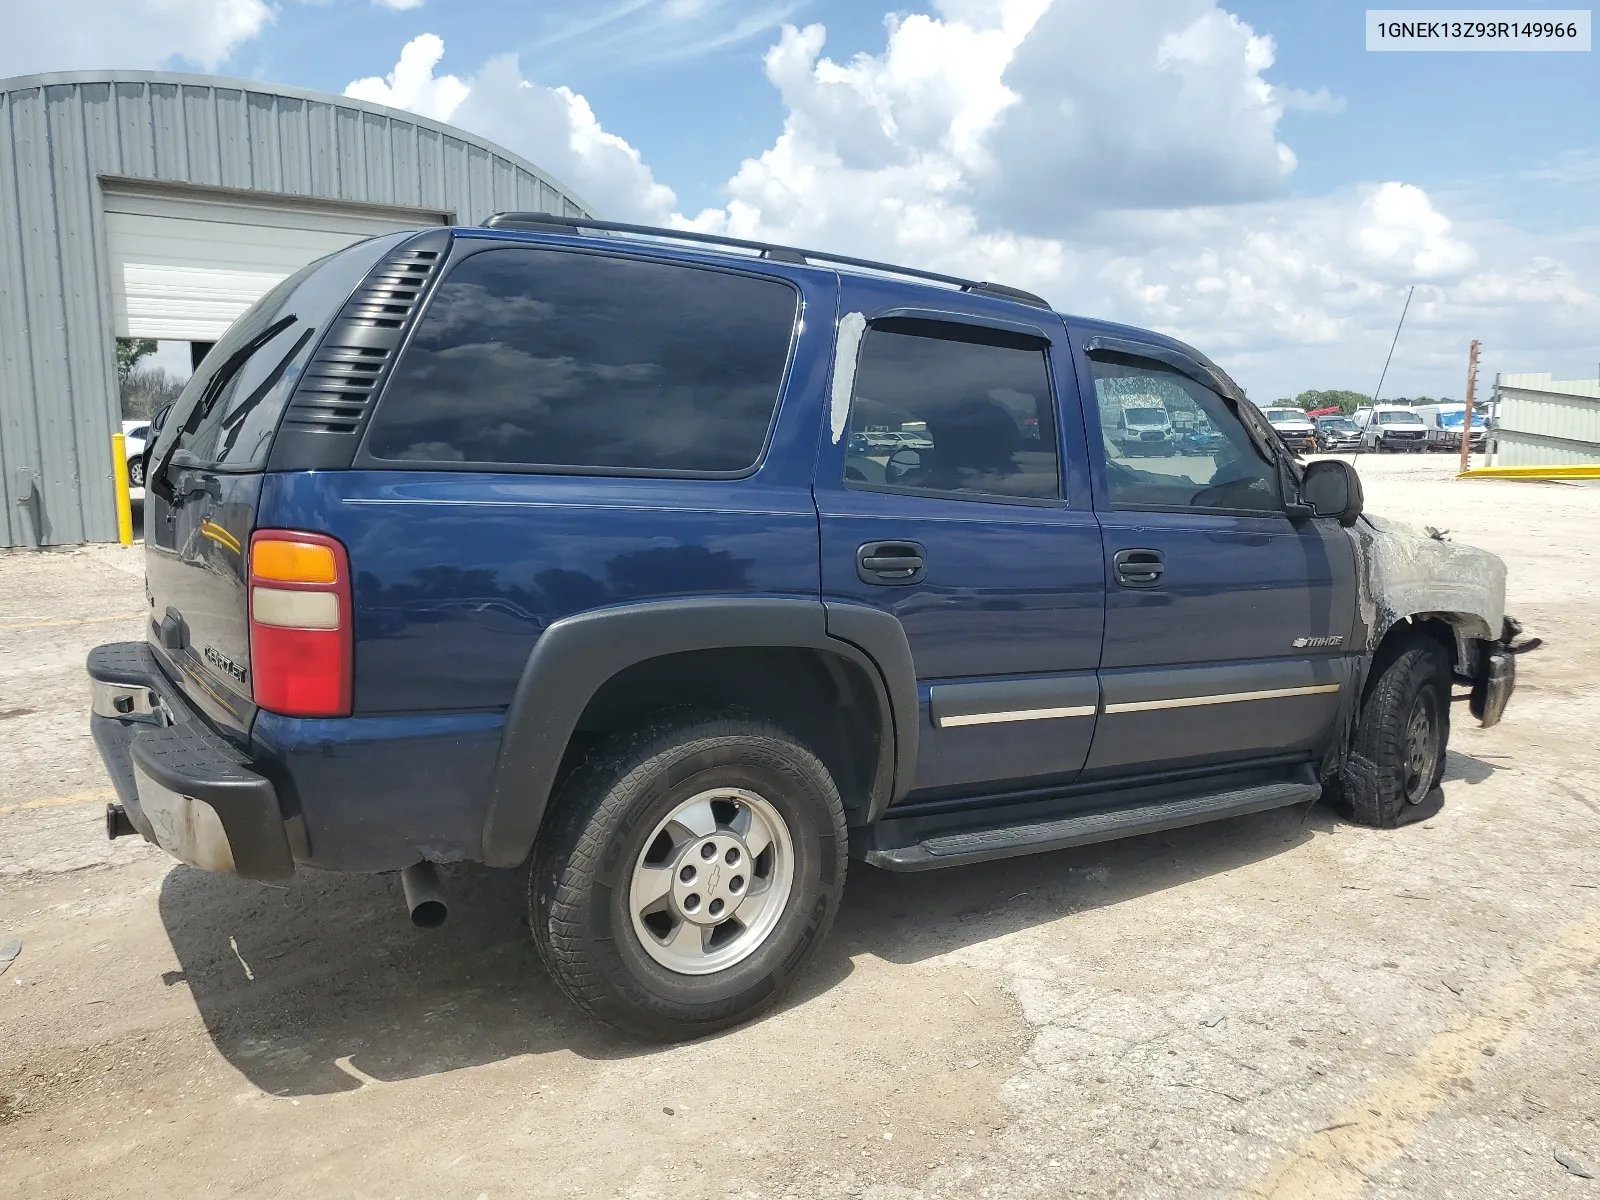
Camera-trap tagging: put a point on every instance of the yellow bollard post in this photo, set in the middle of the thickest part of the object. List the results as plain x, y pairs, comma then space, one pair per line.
119, 483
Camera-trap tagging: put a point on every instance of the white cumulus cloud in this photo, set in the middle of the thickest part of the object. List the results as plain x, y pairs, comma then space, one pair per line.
879, 156
1142, 103
1124, 161
993, 131
552, 127
1399, 231
68, 35
412, 84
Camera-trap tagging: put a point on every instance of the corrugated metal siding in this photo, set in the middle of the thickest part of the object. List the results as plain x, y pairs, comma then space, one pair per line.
59, 134
1531, 450
1548, 422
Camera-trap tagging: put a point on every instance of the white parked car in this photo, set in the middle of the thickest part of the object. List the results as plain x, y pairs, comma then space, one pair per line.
135, 434
1392, 427
1144, 428
903, 439
1294, 427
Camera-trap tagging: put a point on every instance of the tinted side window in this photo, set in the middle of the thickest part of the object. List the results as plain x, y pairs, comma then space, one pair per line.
570, 360
955, 410
235, 431
1172, 443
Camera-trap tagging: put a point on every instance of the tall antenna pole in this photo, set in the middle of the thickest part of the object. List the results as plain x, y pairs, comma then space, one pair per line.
1466, 415
1372, 419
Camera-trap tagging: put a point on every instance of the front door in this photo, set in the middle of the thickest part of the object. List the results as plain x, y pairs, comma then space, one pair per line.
951, 495
1227, 624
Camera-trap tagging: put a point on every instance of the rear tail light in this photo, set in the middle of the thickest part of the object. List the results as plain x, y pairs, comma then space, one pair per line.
300, 627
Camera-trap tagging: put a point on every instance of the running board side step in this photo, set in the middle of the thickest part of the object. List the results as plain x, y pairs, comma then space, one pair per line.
979, 845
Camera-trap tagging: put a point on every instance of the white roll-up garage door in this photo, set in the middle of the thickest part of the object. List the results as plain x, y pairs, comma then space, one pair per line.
185, 265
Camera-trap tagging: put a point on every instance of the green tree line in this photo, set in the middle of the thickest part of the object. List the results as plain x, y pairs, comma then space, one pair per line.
129, 352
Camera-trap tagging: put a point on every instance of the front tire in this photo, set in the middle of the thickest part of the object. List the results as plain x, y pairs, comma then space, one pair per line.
1398, 754
690, 869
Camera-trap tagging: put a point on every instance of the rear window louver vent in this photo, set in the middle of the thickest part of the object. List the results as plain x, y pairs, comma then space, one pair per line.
386, 299
335, 390
335, 394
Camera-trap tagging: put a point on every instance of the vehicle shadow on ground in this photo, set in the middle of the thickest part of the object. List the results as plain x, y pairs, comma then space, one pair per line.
315, 987
1468, 768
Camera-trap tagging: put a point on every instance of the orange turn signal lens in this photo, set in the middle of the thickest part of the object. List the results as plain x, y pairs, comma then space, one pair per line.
292, 562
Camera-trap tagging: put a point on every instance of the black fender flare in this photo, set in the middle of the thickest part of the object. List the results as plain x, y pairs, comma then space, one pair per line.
576, 655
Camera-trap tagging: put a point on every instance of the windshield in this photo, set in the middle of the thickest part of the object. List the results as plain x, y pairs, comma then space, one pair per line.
1283, 416
1399, 418
1145, 416
1342, 424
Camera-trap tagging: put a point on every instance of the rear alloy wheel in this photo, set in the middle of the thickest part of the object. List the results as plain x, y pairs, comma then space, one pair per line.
1398, 753
687, 873
712, 881
136, 472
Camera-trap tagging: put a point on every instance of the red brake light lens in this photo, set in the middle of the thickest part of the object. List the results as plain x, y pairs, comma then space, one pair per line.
300, 625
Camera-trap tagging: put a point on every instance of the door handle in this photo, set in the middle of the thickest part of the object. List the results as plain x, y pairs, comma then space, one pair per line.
1138, 568
895, 563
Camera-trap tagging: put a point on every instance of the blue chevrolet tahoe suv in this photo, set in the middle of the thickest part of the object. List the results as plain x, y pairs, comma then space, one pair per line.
690, 569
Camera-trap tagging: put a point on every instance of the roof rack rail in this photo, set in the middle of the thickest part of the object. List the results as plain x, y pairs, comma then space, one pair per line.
550, 223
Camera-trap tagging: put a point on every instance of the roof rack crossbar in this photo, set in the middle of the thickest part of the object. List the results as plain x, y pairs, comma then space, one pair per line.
546, 222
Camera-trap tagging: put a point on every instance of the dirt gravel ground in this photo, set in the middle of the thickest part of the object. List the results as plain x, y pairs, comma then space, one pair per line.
1281, 1005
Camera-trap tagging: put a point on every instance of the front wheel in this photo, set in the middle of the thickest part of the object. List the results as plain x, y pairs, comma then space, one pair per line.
692, 866
1398, 754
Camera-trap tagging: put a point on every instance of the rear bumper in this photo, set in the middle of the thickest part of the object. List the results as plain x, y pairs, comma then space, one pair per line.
182, 785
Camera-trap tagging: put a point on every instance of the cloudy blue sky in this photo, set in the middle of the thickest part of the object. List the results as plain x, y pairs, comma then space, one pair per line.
1244, 175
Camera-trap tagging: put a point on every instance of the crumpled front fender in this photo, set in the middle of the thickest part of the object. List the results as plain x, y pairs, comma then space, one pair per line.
1405, 572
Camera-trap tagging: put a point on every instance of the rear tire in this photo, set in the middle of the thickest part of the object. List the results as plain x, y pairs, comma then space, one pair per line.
647, 885
1398, 754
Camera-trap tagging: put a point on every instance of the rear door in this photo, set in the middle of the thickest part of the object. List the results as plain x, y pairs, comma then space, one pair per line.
953, 496
1227, 624
206, 476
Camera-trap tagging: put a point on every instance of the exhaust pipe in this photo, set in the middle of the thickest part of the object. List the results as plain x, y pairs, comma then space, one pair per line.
424, 895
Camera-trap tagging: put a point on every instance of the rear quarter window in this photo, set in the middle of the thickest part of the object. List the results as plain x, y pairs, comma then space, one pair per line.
571, 361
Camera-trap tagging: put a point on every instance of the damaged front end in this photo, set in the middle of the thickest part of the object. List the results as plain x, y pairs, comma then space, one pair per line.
1410, 575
